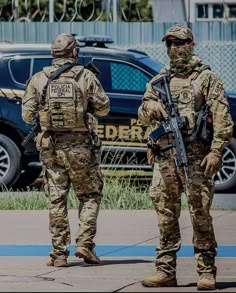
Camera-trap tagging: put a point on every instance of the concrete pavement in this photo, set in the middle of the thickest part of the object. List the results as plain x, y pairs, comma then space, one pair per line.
126, 243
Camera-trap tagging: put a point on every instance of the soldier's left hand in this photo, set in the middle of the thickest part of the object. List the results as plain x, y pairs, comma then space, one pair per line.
150, 156
211, 163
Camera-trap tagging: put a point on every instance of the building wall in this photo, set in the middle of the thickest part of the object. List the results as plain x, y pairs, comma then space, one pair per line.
191, 9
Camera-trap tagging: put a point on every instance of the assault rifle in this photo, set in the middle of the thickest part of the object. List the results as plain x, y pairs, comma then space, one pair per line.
33, 131
173, 125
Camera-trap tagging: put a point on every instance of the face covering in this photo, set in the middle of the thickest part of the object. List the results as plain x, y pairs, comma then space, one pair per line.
180, 55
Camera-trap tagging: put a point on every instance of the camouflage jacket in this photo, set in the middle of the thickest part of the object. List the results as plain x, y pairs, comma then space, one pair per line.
206, 88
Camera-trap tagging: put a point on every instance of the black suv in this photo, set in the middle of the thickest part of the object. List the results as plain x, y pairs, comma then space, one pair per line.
124, 139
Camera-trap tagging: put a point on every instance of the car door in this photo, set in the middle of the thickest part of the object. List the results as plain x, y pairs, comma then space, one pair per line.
125, 84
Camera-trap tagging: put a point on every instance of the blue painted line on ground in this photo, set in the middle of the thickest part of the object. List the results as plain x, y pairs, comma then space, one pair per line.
109, 250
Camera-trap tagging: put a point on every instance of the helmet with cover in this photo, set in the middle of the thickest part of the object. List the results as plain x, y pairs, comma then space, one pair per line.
63, 45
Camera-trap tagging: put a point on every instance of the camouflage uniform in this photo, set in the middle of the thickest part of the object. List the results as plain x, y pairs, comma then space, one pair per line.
69, 157
191, 85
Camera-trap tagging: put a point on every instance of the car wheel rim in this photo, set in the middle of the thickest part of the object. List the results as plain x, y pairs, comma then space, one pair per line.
4, 162
228, 168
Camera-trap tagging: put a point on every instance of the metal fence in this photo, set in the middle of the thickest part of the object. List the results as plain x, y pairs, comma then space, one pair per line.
221, 56
77, 10
215, 42
123, 33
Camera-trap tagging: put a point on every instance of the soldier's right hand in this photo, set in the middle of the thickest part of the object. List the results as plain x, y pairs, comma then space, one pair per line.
211, 163
155, 110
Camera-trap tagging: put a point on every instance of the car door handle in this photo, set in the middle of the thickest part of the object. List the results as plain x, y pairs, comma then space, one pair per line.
14, 101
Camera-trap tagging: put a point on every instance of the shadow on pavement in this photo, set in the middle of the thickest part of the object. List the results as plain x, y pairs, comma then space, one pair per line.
225, 285
109, 262
219, 285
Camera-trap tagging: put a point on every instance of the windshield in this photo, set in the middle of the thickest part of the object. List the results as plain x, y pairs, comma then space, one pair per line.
152, 64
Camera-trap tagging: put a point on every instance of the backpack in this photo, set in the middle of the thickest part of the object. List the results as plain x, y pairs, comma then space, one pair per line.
63, 106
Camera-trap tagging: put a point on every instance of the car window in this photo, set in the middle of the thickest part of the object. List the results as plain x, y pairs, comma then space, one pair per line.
15, 68
119, 77
39, 63
153, 64
105, 73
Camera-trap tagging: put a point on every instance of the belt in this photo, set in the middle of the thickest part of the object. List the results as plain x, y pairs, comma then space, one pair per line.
64, 129
72, 137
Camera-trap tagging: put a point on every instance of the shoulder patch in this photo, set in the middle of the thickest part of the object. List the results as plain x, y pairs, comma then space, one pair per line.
217, 87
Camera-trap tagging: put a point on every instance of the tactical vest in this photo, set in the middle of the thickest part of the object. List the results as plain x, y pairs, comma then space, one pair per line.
182, 93
64, 105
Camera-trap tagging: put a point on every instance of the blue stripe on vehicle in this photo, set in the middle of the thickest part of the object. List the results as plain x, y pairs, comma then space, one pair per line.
109, 250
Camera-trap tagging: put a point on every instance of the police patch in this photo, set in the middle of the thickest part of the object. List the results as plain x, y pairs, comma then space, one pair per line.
217, 88
63, 90
185, 97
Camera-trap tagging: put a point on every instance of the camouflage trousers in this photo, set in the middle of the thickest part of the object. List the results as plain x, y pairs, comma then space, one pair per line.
65, 165
166, 188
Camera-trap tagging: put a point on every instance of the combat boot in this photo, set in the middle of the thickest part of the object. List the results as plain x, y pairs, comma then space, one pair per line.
57, 263
206, 281
160, 279
87, 254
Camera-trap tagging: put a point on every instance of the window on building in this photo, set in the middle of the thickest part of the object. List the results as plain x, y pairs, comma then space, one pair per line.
202, 11
232, 10
218, 10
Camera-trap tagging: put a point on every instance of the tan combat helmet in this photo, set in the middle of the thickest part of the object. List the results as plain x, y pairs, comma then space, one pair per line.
63, 44
179, 31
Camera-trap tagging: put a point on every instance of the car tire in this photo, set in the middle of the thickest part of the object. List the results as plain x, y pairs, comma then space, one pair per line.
27, 178
10, 162
225, 179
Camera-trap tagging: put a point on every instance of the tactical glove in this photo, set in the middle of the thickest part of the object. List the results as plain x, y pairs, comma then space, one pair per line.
150, 156
44, 140
155, 110
211, 163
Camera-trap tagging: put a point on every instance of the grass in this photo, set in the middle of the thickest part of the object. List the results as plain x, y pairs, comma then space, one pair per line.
123, 190
123, 194
117, 194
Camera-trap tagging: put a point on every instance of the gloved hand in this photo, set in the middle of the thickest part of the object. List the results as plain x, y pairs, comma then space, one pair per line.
150, 156
211, 163
155, 110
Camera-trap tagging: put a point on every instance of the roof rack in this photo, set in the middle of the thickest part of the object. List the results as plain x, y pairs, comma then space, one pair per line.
94, 40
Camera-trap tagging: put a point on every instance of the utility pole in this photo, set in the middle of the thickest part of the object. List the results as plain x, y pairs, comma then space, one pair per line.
16, 10
116, 10
188, 15
51, 10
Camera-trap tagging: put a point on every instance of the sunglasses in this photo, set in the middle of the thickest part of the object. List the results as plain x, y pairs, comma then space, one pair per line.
177, 42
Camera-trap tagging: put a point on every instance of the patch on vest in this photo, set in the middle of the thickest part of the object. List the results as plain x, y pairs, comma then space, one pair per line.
61, 90
185, 97
217, 88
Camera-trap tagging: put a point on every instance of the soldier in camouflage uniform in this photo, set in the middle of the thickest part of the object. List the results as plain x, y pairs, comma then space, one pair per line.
192, 84
66, 107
